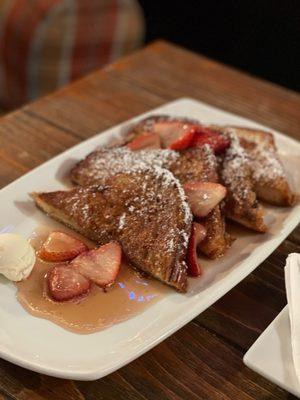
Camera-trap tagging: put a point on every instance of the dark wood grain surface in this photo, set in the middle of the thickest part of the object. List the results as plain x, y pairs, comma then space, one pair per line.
204, 359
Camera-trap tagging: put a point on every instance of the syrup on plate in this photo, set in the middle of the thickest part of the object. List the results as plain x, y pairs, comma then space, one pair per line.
130, 295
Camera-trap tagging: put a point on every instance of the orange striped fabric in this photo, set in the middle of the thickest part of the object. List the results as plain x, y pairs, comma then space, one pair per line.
47, 43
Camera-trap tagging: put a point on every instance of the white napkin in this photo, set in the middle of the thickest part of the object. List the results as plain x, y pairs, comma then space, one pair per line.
292, 284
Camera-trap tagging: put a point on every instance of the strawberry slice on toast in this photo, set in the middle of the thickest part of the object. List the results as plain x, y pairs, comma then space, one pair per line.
198, 234
145, 141
175, 135
215, 140
204, 196
180, 133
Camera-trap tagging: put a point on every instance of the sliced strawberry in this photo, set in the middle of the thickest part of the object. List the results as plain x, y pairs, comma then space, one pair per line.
147, 140
100, 265
183, 141
175, 135
203, 196
65, 283
214, 139
60, 246
198, 234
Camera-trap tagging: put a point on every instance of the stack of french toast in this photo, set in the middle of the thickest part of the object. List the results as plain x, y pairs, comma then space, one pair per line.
166, 190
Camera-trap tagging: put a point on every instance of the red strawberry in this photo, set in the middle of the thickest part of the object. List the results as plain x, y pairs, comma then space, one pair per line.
214, 139
203, 196
197, 235
60, 246
65, 283
100, 265
147, 140
175, 135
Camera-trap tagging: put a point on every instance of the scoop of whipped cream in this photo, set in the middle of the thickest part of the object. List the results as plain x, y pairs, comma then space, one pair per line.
17, 257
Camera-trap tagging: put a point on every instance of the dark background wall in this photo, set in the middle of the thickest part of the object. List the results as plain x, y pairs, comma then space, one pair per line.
259, 36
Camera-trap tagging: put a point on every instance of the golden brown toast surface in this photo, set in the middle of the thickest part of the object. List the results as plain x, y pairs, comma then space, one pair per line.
145, 211
195, 165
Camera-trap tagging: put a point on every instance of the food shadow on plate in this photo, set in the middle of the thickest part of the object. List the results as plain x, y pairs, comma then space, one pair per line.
27, 207
291, 163
214, 270
63, 172
9, 307
127, 128
275, 218
4, 281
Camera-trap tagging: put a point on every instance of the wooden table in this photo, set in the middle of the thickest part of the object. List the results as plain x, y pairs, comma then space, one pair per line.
204, 359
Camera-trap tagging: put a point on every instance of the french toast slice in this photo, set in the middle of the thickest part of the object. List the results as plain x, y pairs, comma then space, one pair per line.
190, 165
241, 204
268, 174
144, 210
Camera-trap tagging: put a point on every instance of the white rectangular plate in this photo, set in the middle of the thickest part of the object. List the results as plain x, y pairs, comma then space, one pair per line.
271, 354
40, 345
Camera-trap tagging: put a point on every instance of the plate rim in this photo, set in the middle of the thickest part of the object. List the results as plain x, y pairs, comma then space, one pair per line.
237, 276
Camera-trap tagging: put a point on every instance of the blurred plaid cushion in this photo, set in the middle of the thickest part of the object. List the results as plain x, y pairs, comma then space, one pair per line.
44, 44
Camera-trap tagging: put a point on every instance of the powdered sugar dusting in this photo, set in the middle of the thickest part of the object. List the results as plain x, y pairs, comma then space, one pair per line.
168, 179
154, 200
209, 160
116, 160
265, 164
78, 203
104, 162
235, 171
122, 221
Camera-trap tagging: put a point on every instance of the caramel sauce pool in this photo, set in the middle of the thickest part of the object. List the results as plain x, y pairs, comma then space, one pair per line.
129, 296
